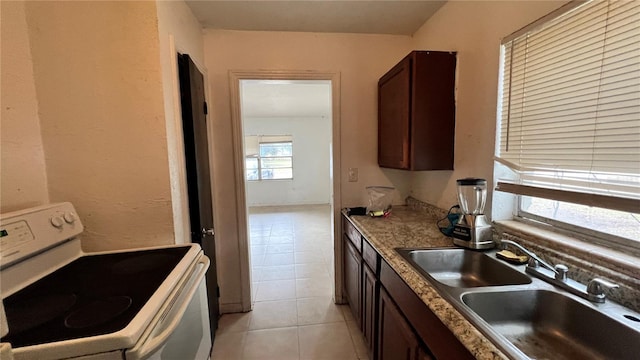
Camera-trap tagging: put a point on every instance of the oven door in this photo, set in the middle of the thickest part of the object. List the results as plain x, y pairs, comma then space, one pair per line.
181, 330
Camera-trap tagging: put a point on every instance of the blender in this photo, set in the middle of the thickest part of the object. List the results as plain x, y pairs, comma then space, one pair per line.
472, 231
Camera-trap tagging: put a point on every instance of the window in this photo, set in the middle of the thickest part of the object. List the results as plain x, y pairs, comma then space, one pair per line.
269, 157
569, 119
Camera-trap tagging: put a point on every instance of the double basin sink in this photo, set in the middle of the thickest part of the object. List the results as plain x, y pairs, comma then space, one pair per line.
523, 316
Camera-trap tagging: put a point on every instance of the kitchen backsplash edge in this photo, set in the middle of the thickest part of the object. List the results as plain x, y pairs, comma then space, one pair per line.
432, 211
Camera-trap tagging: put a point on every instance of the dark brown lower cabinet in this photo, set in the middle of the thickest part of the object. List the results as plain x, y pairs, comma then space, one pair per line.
439, 340
424, 355
396, 340
352, 276
395, 322
370, 288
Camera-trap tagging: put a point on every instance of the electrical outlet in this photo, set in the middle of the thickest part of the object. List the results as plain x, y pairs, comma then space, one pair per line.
353, 174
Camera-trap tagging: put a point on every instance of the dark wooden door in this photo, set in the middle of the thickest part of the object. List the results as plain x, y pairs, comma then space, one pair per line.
396, 340
352, 268
196, 148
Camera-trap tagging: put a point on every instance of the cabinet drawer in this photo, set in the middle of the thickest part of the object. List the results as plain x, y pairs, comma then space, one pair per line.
353, 234
370, 256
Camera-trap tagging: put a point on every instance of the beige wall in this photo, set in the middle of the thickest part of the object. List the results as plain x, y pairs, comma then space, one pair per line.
474, 30
102, 94
23, 179
99, 89
178, 31
360, 60
99, 93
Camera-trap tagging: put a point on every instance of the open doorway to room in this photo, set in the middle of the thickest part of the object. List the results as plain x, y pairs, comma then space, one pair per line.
287, 142
287, 151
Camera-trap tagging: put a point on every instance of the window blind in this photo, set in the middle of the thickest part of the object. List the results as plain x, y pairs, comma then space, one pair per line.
252, 142
570, 101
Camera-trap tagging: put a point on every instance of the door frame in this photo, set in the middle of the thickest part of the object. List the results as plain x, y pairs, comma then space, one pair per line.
235, 76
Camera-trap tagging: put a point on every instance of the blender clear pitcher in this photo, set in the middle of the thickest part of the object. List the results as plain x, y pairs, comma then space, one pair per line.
472, 195
473, 231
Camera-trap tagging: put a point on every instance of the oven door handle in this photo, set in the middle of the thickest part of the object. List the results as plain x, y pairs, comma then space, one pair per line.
175, 310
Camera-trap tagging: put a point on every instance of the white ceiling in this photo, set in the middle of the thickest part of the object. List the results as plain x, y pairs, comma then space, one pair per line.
338, 16
285, 98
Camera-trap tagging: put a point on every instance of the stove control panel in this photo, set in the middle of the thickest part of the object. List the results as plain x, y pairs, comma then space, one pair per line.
28, 232
13, 235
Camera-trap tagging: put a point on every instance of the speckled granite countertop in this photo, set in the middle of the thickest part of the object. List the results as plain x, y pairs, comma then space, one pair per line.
410, 228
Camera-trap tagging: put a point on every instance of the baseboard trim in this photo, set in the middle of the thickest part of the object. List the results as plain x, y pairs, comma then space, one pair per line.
230, 308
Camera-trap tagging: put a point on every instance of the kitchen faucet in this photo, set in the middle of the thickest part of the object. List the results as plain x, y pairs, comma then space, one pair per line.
557, 275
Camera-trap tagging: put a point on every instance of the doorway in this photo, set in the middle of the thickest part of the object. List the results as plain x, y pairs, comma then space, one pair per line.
237, 80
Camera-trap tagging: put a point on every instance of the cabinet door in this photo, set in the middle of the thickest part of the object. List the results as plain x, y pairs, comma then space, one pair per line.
352, 276
424, 354
394, 92
396, 340
370, 286
433, 110
439, 340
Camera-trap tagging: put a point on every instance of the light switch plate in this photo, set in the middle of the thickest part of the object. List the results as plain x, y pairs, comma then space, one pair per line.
353, 174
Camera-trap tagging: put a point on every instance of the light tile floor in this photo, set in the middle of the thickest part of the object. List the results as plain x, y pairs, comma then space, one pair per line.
294, 316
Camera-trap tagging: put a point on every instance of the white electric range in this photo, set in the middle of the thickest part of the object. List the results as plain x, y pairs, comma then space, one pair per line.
61, 303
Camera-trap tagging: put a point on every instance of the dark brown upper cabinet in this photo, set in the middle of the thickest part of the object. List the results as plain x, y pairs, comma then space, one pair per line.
416, 112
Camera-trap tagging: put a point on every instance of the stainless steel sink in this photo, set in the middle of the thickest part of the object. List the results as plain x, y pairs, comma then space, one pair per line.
463, 268
526, 317
547, 324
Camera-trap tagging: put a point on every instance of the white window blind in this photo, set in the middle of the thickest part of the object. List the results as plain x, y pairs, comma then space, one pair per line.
570, 101
252, 142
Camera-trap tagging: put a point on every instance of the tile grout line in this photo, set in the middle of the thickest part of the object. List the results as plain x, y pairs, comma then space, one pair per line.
297, 247
297, 317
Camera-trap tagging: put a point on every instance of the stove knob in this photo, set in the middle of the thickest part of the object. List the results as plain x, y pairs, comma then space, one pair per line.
57, 221
69, 217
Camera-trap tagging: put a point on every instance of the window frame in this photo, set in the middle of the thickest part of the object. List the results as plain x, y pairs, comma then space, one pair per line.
594, 236
259, 159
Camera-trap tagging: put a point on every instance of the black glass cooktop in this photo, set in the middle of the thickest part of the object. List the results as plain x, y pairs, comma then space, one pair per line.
93, 295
